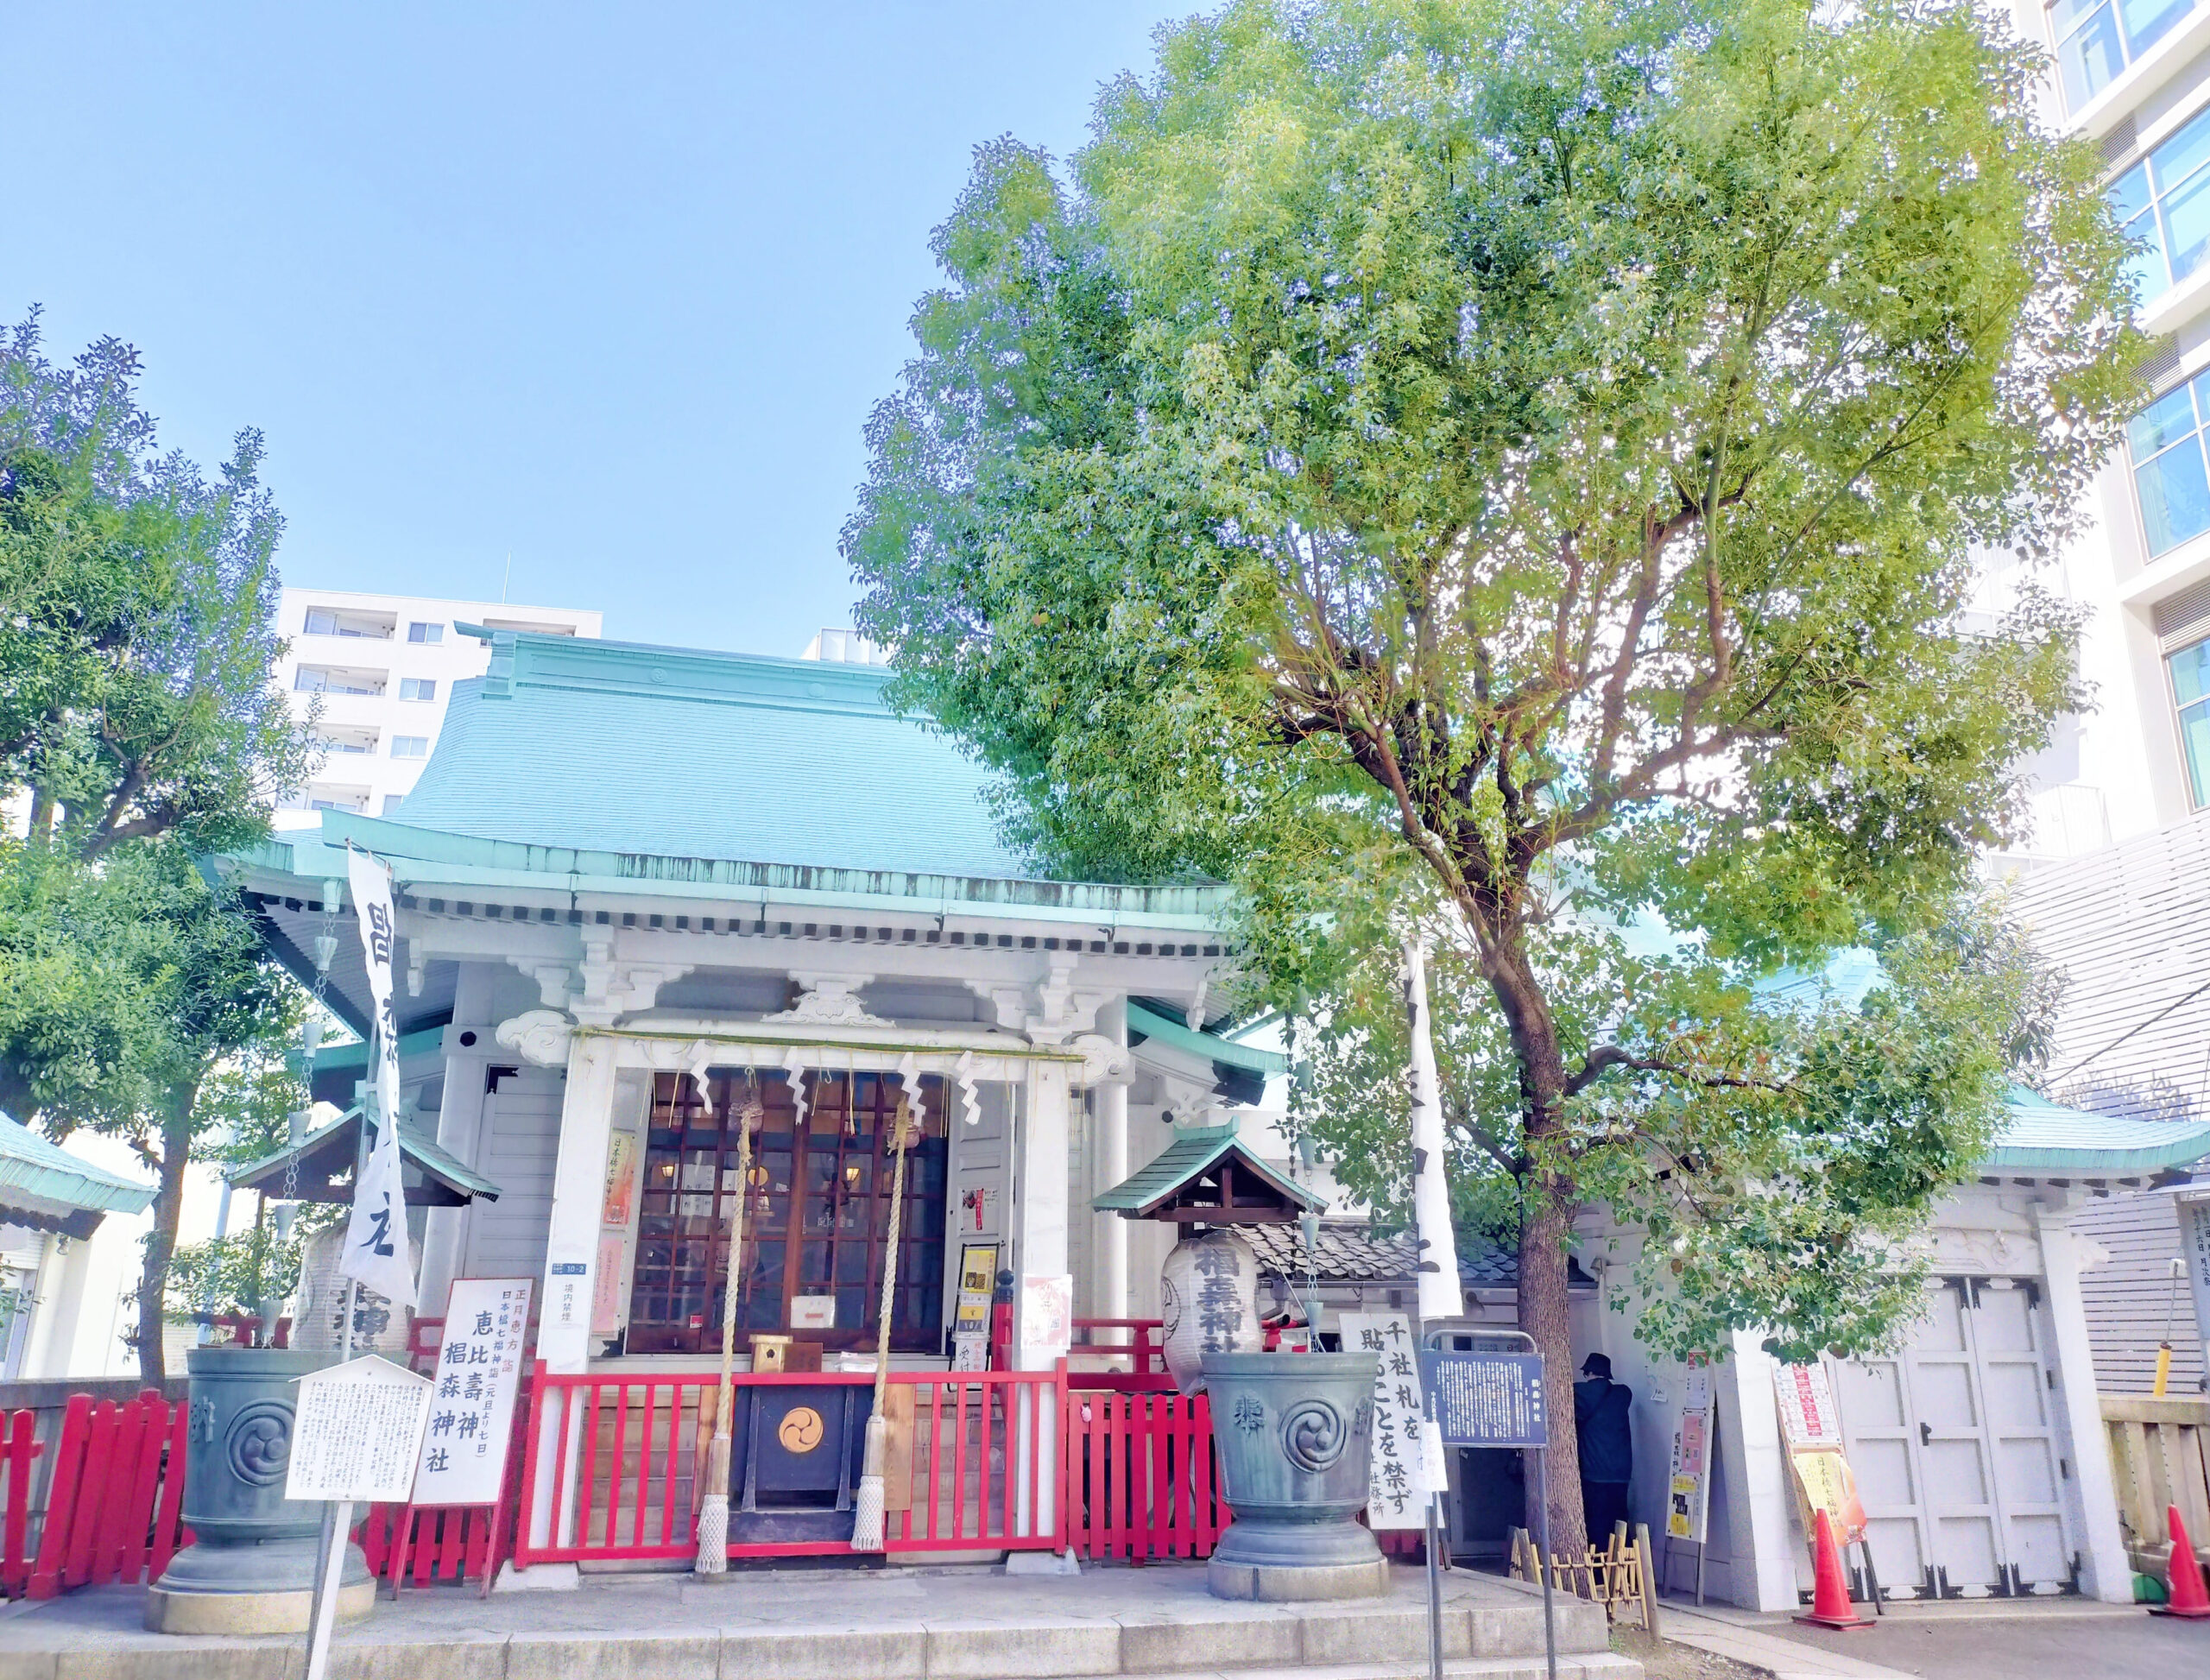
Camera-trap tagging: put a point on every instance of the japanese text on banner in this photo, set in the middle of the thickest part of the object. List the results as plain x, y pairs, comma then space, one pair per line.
376, 1250
1395, 1499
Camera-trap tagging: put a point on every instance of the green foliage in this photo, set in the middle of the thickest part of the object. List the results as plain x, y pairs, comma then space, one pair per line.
137, 618
1778, 1150
137, 641
244, 1114
1516, 468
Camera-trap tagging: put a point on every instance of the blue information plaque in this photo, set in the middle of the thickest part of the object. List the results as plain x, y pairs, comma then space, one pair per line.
1488, 1399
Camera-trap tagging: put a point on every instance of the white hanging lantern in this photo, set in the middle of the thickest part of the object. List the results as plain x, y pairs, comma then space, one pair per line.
1207, 1298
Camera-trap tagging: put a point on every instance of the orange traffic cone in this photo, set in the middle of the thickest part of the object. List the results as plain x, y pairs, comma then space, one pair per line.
1830, 1602
2184, 1574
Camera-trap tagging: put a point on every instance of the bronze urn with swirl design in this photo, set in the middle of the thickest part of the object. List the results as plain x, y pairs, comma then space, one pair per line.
1292, 1433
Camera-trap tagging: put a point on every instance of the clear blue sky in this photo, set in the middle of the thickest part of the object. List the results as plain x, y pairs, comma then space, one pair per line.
609, 287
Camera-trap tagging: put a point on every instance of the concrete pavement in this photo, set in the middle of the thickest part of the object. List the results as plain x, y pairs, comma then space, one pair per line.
1990, 1639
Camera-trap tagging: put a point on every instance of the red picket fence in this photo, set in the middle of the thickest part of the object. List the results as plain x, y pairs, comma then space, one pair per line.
1112, 1465
624, 1458
1140, 1479
445, 1547
20, 1448
115, 1506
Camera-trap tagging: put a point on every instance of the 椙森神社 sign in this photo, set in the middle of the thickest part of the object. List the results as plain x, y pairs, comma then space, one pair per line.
357, 1432
472, 1401
1395, 1498
376, 1251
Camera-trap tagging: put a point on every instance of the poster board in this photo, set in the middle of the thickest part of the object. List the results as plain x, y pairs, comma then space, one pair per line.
357, 1432
978, 1280
1688, 1483
464, 1453
1811, 1431
1489, 1399
1823, 1482
1394, 1494
1808, 1415
1046, 1314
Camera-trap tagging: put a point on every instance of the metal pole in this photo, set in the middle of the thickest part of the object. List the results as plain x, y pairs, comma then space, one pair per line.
1543, 1540
338, 1517
1434, 1594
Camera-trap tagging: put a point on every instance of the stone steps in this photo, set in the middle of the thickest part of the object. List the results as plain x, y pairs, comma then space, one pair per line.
1154, 1623
1601, 1666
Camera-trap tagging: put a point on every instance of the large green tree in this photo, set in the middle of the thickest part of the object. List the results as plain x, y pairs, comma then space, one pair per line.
1545, 443
140, 726
137, 616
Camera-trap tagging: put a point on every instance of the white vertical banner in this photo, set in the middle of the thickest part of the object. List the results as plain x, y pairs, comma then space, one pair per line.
376, 1250
1441, 1295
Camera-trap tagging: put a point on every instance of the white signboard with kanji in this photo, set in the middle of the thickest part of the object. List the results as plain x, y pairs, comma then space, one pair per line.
1396, 1465
463, 1458
357, 1432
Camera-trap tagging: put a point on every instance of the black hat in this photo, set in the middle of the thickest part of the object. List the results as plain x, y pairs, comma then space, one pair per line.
1596, 1365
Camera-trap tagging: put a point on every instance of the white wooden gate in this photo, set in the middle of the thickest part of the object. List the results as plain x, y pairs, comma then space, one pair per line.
1955, 1448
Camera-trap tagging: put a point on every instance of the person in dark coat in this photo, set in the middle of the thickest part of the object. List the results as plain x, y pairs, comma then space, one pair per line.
1599, 1415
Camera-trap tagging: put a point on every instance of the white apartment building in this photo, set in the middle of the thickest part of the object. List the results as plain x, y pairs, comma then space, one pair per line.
2133, 77
383, 668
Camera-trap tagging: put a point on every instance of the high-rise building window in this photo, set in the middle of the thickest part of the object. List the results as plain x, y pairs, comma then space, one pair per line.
2097, 39
426, 632
418, 688
410, 746
2164, 202
2190, 669
2170, 475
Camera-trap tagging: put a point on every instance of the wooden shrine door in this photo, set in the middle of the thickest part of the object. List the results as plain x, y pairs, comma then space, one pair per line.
817, 1218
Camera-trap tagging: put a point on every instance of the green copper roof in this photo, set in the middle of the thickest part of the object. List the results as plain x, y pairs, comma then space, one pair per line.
607, 746
327, 1154
2043, 1136
45, 1178
1168, 1030
579, 766
1191, 1154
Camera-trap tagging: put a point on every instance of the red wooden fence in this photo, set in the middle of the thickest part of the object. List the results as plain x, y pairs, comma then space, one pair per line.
622, 1459
1107, 1464
19, 1450
115, 1507
1141, 1483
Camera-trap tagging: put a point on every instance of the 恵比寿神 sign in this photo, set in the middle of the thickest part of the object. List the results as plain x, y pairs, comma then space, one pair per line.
463, 1455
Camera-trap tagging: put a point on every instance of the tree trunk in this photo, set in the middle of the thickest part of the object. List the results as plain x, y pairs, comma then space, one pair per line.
161, 1244
1546, 1314
1546, 1204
